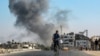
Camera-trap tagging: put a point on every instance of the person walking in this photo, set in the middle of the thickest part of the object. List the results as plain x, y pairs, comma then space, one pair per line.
96, 44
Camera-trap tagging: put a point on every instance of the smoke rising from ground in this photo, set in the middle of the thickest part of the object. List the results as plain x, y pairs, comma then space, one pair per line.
29, 15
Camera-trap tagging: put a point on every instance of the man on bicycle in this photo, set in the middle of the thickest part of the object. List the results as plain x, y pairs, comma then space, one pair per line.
56, 38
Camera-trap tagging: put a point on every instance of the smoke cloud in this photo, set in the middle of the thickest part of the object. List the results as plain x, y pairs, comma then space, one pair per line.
29, 15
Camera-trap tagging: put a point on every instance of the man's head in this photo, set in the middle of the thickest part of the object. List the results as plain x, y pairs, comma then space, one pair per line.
56, 31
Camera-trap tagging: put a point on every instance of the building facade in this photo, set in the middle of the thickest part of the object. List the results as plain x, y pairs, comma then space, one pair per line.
83, 43
76, 40
69, 40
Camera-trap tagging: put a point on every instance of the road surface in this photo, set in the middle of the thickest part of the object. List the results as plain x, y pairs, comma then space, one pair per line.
49, 53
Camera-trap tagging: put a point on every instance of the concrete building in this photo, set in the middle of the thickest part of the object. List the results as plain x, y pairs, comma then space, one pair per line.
69, 40
76, 40
82, 41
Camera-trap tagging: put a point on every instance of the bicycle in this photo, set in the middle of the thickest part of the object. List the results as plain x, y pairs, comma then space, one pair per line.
57, 51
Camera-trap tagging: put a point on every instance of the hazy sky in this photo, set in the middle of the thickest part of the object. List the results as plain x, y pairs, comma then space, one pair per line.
84, 14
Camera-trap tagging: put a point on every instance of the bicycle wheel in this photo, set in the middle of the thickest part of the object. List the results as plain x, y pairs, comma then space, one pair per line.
57, 51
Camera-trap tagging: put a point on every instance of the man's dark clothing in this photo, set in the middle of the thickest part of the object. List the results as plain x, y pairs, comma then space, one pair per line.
96, 44
56, 36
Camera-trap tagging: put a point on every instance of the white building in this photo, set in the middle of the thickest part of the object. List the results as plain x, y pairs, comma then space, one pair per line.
76, 40
82, 41
69, 40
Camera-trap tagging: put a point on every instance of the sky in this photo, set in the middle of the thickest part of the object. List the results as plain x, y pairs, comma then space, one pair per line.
83, 14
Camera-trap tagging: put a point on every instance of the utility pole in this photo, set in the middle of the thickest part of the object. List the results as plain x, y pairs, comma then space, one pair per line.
61, 29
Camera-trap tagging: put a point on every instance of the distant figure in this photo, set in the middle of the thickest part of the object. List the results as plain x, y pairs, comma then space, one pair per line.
86, 48
56, 38
96, 44
81, 48
99, 43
